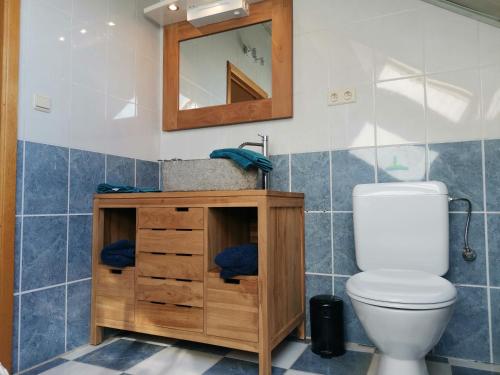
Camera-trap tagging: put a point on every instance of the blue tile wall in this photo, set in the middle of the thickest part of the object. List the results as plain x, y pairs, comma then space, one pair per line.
311, 174
349, 168
494, 248
44, 251
460, 166
79, 247
42, 326
495, 317
78, 314
318, 242
492, 170
55, 187
467, 333
45, 179
120, 170
343, 244
147, 174
279, 178
87, 170
460, 272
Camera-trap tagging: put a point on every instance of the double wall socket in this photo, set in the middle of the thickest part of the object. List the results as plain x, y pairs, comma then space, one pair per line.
342, 96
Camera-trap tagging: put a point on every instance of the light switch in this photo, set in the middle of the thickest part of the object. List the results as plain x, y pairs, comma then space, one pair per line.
42, 103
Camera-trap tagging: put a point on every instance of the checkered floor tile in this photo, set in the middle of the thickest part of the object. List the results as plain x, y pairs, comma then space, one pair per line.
148, 355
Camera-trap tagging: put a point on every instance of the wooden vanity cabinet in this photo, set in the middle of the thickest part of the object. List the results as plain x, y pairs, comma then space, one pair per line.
174, 289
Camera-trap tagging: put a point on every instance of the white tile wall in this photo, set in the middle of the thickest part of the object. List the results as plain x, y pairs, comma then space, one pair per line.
423, 74
99, 61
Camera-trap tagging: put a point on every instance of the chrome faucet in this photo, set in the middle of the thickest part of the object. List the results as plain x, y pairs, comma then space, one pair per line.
264, 145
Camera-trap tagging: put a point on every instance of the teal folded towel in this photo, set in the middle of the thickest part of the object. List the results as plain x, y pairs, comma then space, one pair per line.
244, 158
109, 188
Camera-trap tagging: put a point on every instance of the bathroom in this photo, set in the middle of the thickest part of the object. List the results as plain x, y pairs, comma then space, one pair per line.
93, 106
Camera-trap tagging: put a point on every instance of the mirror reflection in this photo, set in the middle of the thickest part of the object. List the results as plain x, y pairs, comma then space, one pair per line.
239, 62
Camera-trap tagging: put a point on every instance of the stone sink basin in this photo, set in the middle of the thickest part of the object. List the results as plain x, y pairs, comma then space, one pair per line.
207, 174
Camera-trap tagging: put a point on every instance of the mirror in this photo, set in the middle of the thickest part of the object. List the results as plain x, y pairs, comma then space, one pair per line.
228, 67
230, 72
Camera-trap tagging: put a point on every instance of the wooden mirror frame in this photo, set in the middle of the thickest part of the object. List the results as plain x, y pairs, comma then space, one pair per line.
280, 105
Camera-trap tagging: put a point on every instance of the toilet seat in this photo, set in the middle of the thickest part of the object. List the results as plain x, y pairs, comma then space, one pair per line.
401, 289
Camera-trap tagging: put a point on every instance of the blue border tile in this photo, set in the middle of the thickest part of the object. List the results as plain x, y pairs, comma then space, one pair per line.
44, 251
78, 314
344, 257
147, 174
350, 168
459, 166
120, 170
87, 170
45, 179
42, 323
492, 170
494, 248
19, 176
318, 242
311, 175
279, 178
79, 247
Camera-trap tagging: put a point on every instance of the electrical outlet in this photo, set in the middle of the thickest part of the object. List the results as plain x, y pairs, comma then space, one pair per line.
342, 96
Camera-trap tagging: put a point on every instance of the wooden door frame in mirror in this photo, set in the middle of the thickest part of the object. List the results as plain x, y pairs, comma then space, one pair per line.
280, 105
9, 66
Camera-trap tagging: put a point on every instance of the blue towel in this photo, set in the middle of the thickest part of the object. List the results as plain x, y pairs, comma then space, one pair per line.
244, 158
119, 254
238, 260
109, 188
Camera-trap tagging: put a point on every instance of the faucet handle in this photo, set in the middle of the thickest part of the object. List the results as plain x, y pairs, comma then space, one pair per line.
263, 136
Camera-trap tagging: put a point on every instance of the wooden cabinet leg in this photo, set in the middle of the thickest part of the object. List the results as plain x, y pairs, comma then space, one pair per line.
265, 362
301, 330
96, 335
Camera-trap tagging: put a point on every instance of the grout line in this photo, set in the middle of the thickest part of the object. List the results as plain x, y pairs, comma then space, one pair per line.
52, 286
67, 257
486, 242
20, 278
330, 154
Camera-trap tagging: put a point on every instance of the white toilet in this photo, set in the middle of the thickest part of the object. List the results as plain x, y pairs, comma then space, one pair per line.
403, 303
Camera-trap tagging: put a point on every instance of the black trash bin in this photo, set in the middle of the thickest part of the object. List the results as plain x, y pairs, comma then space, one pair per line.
327, 326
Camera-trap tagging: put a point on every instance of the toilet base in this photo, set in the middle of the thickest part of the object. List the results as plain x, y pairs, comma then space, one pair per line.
392, 366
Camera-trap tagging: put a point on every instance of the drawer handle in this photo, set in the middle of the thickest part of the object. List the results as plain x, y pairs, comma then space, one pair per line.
232, 281
116, 272
184, 306
184, 280
158, 278
157, 303
182, 209
157, 253
159, 229
183, 255
183, 230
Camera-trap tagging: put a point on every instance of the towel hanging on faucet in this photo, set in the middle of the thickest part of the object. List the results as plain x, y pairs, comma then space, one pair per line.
246, 159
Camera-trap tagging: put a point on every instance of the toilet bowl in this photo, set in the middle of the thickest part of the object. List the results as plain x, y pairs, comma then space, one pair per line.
404, 313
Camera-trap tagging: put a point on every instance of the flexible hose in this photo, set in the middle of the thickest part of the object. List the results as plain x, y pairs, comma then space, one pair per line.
468, 254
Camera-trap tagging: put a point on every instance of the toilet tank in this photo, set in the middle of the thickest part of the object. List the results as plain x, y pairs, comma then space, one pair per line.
402, 225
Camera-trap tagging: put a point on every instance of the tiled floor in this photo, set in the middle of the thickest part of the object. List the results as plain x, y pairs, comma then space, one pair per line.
148, 355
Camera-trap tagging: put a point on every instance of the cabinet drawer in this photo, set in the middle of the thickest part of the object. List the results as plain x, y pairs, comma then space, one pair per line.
233, 308
171, 218
169, 316
188, 293
117, 282
171, 241
170, 266
114, 309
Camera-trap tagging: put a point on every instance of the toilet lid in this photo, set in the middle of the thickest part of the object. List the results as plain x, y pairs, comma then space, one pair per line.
397, 286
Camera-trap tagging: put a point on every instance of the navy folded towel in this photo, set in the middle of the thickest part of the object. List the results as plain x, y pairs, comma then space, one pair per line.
238, 260
109, 188
246, 159
119, 254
